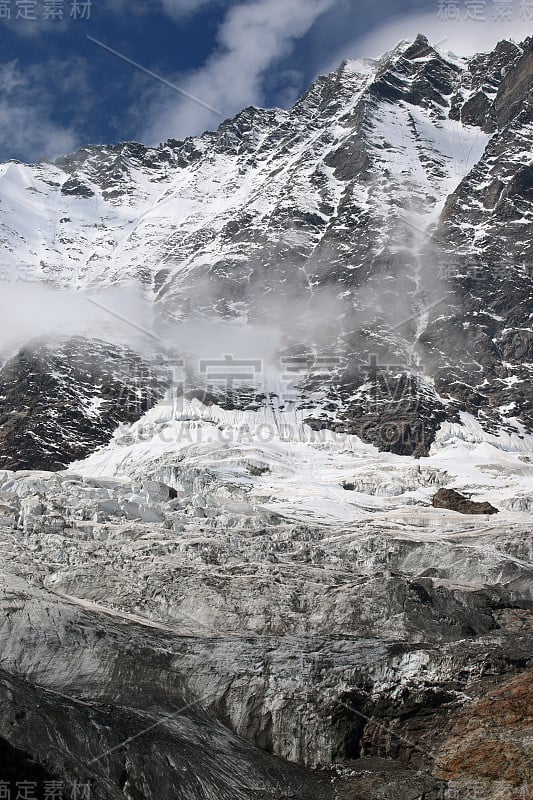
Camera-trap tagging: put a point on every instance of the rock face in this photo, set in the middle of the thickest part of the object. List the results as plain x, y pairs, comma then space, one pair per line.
455, 501
61, 399
488, 747
221, 587
18, 766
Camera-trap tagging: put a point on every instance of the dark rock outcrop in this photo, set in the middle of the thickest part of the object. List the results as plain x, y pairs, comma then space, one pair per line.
60, 400
454, 501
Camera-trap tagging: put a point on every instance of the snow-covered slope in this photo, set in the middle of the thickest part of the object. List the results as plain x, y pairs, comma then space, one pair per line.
304, 474
282, 181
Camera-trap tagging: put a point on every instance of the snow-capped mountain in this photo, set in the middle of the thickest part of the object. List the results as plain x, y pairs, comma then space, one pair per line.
390, 208
219, 585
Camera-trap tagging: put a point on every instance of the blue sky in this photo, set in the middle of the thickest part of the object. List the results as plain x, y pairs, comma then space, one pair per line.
59, 90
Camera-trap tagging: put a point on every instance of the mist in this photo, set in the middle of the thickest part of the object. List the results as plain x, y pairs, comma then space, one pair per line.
303, 314
32, 313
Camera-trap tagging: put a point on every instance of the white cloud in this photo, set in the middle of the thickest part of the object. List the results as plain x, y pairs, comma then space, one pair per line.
464, 38
11, 78
25, 124
180, 8
252, 37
